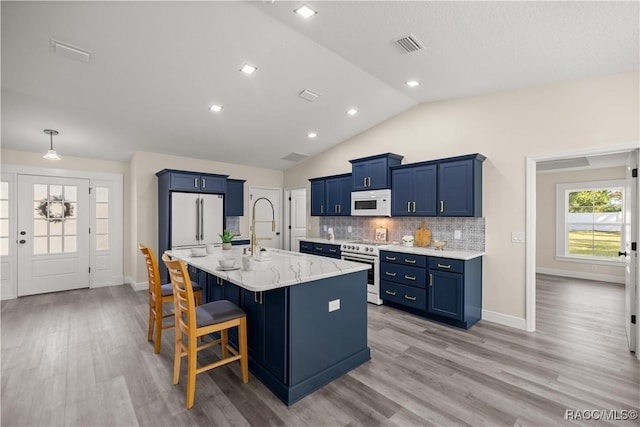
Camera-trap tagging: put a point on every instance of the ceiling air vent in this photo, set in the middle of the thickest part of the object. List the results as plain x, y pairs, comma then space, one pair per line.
409, 43
295, 157
73, 52
308, 95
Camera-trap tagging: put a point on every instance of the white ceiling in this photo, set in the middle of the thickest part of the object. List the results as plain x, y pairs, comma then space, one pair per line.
157, 67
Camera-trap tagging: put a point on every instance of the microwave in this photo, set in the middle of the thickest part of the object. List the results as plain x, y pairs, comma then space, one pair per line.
371, 203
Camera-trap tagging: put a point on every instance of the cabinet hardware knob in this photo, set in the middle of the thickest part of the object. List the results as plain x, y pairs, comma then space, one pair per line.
410, 298
390, 274
390, 293
410, 261
430, 279
409, 277
444, 265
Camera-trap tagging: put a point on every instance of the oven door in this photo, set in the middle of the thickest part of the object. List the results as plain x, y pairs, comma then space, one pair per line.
371, 273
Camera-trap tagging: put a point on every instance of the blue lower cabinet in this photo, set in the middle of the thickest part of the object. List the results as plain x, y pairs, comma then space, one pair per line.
267, 330
442, 289
322, 249
404, 295
306, 247
445, 294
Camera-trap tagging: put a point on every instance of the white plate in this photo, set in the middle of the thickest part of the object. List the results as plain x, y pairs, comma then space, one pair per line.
235, 267
197, 256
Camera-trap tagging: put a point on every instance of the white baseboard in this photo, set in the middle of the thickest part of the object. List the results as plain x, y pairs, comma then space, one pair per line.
140, 286
505, 319
580, 275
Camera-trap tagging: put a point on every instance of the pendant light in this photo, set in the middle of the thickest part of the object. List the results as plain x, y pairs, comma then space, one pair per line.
51, 154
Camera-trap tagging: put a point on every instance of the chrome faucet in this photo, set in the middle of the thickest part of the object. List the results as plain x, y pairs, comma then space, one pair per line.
254, 239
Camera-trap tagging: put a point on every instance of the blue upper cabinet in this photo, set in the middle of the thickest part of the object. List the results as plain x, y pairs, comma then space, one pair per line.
195, 182
372, 173
331, 195
414, 190
460, 186
318, 197
235, 197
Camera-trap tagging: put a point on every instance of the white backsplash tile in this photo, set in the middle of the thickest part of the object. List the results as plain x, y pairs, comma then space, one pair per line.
472, 229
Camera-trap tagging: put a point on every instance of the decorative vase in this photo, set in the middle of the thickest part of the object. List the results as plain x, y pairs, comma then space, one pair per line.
226, 246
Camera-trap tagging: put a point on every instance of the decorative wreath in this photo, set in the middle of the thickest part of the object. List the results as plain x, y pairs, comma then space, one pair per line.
44, 211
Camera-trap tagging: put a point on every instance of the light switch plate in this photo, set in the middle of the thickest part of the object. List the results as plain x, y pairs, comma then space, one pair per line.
334, 305
457, 234
324, 228
517, 236
349, 229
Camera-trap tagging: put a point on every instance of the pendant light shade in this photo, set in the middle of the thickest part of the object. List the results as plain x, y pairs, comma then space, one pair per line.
51, 153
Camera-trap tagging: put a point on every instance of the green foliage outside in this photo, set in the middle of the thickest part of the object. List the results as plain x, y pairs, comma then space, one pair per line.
609, 200
594, 243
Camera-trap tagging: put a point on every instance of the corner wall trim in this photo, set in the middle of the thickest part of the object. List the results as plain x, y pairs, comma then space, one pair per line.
136, 286
581, 275
505, 319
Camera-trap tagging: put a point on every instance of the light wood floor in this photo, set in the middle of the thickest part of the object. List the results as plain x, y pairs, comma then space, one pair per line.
82, 358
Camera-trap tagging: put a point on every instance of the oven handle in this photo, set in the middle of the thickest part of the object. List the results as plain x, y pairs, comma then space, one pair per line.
358, 259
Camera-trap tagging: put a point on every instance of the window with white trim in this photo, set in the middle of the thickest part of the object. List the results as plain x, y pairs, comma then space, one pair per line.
590, 220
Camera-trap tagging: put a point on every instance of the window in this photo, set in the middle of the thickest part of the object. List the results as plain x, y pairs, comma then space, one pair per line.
4, 218
102, 218
590, 220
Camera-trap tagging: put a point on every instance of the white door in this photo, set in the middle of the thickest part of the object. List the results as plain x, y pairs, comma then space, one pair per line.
266, 212
631, 257
295, 218
53, 234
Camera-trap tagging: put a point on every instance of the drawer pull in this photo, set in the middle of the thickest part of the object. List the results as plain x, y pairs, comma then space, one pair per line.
410, 277
410, 261
430, 279
444, 265
333, 251
390, 258
393, 294
319, 249
410, 298
390, 274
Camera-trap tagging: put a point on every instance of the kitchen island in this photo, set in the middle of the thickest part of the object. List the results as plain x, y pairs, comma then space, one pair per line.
306, 315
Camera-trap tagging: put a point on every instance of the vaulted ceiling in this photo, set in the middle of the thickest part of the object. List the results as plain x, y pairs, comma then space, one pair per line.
155, 68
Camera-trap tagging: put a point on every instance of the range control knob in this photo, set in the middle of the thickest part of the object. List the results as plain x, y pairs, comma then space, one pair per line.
357, 248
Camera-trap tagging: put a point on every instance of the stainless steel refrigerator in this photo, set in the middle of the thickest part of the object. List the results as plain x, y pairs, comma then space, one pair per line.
196, 219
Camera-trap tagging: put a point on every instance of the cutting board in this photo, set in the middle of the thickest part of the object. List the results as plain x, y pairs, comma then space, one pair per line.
423, 235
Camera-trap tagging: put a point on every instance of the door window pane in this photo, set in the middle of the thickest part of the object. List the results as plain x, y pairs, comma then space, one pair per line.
71, 193
4, 228
4, 190
102, 242
102, 226
4, 246
40, 245
55, 245
40, 191
102, 218
55, 192
102, 210
55, 228
4, 209
70, 243
40, 227
102, 195
70, 227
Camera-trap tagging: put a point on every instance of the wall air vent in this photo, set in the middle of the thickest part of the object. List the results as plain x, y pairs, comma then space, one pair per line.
409, 43
295, 157
308, 95
73, 52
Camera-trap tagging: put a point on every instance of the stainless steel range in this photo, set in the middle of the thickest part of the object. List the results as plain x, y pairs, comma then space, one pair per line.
366, 252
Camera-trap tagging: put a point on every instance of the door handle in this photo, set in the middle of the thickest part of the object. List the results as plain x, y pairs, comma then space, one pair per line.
410, 261
414, 206
390, 293
197, 220
444, 265
623, 253
201, 219
22, 242
390, 274
409, 277
364, 184
410, 298
204, 183
408, 206
195, 182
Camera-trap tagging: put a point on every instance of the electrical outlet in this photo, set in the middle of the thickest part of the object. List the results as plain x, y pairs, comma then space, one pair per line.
334, 305
457, 234
517, 236
349, 229
324, 228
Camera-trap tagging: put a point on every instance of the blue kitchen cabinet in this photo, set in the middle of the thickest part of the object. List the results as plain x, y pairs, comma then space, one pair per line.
414, 190
195, 181
322, 249
234, 200
331, 195
338, 195
318, 197
460, 186
306, 247
372, 173
442, 289
267, 330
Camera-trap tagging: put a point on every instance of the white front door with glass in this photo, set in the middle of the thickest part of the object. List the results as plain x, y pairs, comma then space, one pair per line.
53, 234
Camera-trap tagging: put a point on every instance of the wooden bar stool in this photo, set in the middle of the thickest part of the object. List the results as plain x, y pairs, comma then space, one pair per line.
194, 322
158, 295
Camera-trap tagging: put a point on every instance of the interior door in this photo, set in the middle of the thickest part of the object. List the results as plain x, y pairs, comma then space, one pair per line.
296, 217
53, 234
265, 212
630, 233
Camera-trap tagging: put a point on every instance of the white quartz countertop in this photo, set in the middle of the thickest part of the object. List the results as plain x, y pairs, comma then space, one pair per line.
283, 268
429, 251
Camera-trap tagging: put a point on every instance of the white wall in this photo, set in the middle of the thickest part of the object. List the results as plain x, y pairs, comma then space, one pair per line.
506, 127
546, 224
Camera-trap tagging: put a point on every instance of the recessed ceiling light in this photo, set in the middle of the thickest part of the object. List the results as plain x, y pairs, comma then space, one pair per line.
248, 69
215, 108
312, 134
352, 112
305, 11
413, 83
